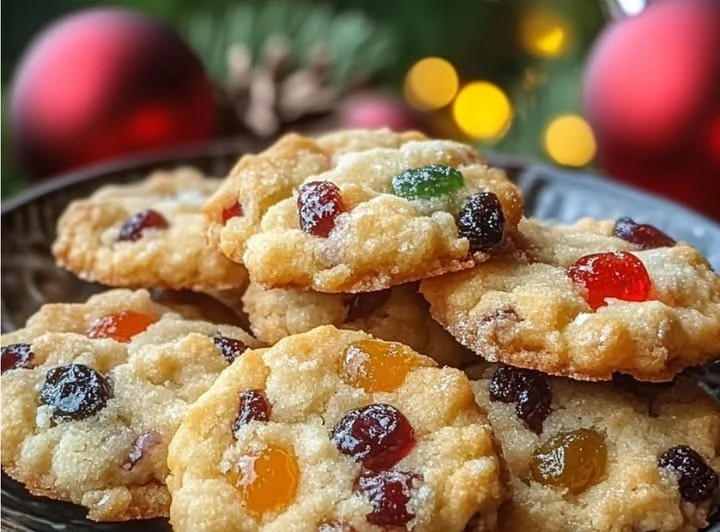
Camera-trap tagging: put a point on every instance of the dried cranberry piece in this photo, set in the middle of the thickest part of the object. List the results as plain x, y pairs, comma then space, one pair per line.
644, 236
696, 479
254, 406
617, 275
75, 391
140, 446
377, 435
319, 203
335, 526
134, 226
389, 493
16, 356
527, 389
232, 211
362, 305
230, 348
482, 222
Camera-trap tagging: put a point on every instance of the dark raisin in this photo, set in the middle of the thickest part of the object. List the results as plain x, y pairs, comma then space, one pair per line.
319, 203
335, 526
644, 236
696, 479
16, 356
75, 391
527, 389
362, 305
229, 347
232, 211
134, 226
427, 182
482, 222
254, 406
378, 436
389, 493
140, 446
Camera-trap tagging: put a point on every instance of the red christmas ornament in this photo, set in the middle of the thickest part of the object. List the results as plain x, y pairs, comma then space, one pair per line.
105, 82
652, 92
372, 111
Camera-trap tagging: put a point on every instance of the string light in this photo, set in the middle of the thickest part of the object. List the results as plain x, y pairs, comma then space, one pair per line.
543, 33
570, 141
431, 83
482, 110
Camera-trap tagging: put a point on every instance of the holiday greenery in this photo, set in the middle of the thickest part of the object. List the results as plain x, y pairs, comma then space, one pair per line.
532, 51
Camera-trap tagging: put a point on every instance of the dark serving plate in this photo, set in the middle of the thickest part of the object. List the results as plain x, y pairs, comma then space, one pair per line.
30, 277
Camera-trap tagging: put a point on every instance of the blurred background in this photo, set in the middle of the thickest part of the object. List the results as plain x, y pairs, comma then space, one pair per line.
506, 75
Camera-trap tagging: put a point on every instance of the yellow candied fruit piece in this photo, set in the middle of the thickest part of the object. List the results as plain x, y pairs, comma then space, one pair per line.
377, 366
267, 480
574, 460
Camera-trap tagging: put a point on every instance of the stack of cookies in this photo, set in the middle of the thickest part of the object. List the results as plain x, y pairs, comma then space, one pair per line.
420, 356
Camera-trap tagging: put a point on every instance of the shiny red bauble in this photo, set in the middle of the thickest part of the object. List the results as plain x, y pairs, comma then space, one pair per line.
652, 93
105, 82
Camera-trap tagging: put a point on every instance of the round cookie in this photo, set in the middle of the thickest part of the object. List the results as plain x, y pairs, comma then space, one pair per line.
623, 487
334, 428
525, 310
258, 181
110, 237
90, 404
385, 216
398, 314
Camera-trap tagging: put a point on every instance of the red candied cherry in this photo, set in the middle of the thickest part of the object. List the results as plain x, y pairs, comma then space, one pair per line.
389, 494
617, 275
319, 203
232, 211
134, 227
16, 356
378, 436
644, 236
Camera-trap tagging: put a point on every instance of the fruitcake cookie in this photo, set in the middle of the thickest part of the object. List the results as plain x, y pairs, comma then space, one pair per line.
398, 314
258, 181
334, 430
92, 394
603, 457
150, 234
580, 302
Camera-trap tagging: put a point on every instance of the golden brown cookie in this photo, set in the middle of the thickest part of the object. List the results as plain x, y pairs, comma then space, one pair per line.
608, 457
92, 394
258, 181
150, 234
385, 216
398, 314
577, 301
334, 427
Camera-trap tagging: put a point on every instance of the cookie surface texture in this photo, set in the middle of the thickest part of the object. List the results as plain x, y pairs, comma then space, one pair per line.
92, 394
385, 216
524, 309
334, 428
150, 234
612, 480
399, 314
258, 181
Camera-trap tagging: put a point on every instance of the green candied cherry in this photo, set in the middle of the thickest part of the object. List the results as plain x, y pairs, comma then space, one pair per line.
427, 182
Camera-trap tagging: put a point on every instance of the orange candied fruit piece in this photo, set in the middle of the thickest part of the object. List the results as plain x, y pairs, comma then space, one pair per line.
377, 366
268, 480
120, 326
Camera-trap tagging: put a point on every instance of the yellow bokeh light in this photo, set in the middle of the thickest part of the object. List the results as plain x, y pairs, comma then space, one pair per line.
482, 110
543, 33
431, 83
570, 141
